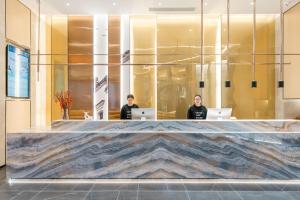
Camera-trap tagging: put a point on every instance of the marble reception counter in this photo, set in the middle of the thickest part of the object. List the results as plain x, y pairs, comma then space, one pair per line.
157, 150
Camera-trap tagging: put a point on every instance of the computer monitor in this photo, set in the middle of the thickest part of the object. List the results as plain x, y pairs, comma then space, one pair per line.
143, 113
218, 113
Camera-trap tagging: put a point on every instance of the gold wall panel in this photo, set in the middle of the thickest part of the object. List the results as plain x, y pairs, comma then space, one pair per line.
177, 85
247, 102
114, 67
143, 35
292, 45
80, 71
18, 22
59, 43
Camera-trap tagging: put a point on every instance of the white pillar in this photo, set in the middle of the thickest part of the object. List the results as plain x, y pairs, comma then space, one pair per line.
100, 67
2, 82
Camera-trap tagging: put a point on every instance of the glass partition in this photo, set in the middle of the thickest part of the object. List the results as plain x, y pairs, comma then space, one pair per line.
163, 55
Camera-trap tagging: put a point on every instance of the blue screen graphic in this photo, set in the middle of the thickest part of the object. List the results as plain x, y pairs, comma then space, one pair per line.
18, 72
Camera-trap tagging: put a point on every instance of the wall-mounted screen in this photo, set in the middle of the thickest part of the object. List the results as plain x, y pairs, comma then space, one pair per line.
17, 72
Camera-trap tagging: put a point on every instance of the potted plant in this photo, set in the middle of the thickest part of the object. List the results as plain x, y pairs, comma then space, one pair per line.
64, 99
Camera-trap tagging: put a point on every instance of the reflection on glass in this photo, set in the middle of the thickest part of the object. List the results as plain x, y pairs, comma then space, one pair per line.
80, 77
59, 67
143, 35
247, 102
178, 82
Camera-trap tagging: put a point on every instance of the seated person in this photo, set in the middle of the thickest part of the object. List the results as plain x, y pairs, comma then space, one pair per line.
197, 111
126, 109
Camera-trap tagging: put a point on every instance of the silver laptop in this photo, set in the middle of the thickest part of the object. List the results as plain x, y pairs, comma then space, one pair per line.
218, 113
143, 113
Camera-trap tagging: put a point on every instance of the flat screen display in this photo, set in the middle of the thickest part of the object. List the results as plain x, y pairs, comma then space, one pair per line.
17, 72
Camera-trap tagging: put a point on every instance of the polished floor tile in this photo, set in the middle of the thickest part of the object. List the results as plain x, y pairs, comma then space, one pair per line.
103, 187
153, 187
204, 195
47, 195
83, 187
24, 196
176, 187
229, 195
8, 195
104, 195
127, 195
147, 191
295, 195
133, 187
162, 195
265, 195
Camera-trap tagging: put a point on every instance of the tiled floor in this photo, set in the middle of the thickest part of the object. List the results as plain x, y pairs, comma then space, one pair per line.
146, 191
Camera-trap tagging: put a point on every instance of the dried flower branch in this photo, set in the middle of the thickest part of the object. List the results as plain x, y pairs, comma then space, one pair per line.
64, 99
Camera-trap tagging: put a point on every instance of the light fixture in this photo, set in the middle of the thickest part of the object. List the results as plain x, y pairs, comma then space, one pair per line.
205, 4
114, 3
254, 84
227, 84
159, 4
201, 84
280, 84
68, 4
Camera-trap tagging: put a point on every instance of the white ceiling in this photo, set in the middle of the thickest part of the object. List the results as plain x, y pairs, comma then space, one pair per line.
92, 7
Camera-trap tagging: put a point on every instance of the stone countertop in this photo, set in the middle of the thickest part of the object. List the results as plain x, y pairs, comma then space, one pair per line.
185, 126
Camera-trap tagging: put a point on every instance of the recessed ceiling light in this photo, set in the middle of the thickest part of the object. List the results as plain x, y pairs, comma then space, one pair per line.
159, 3
252, 3
68, 4
205, 4
114, 3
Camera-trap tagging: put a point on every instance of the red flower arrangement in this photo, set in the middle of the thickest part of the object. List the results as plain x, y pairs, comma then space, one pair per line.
64, 99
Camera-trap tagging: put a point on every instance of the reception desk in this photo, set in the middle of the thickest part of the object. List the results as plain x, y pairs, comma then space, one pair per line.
157, 150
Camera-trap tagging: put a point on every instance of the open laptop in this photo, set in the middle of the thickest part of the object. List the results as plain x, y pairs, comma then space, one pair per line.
218, 113
143, 113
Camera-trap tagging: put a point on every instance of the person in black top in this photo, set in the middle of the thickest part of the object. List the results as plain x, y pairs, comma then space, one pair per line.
126, 109
197, 111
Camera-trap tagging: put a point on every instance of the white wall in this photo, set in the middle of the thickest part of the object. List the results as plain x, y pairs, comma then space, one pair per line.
2, 82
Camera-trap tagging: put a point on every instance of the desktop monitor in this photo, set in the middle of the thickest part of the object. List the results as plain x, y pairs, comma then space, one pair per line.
143, 113
218, 113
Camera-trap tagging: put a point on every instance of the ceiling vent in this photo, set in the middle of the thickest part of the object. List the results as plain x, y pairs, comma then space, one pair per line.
170, 9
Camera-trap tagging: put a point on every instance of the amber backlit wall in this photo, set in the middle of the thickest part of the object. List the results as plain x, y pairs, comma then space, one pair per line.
247, 102
178, 47
166, 66
143, 48
114, 67
59, 66
177, 81
80, 71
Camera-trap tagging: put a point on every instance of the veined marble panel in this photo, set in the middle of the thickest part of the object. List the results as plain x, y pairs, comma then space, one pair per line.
179, 126
155, 154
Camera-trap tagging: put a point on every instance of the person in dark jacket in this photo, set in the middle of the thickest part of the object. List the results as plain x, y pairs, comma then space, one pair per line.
197, 111
126, 109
